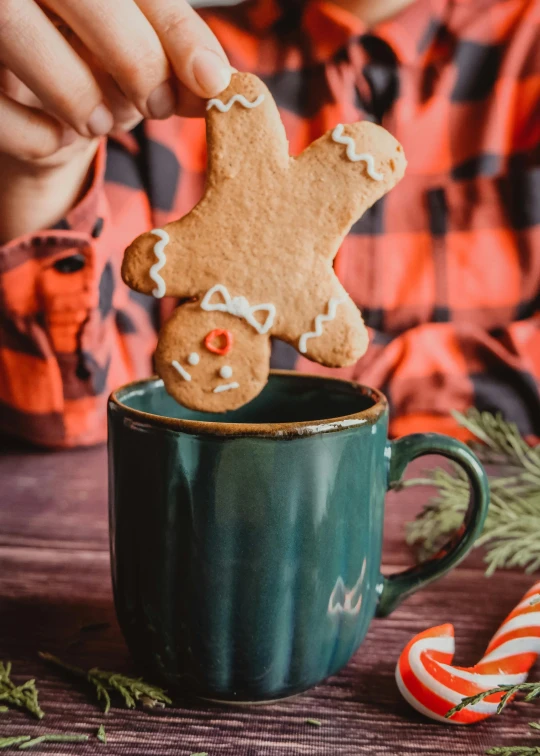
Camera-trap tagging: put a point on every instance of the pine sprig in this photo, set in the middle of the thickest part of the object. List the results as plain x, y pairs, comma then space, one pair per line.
24, 742
509, 691
14, 740
514, 751
52, 738
23, 696
132, 690
511, 533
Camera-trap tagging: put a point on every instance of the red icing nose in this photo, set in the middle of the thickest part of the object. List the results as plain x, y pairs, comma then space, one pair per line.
219, 341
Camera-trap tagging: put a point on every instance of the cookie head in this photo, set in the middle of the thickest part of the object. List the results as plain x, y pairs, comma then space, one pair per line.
212, 360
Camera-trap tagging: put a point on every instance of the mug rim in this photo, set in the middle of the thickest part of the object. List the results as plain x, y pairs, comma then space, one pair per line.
368, 416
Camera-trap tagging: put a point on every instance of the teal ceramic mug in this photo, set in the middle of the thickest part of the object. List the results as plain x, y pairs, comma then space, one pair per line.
246, 547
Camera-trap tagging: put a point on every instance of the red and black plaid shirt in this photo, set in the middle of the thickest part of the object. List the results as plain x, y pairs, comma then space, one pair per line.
446, 268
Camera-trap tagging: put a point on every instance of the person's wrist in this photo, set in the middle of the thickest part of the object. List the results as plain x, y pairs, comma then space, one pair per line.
34, 197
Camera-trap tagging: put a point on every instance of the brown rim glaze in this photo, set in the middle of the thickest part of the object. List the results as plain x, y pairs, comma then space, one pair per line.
304, 428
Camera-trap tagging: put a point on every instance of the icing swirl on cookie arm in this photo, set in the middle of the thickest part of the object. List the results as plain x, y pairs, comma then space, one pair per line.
331, 312
159, 252
340, 138
224, 107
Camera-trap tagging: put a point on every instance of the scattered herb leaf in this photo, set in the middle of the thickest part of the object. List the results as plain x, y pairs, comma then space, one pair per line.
514, 751
314, 722
132, 690
7, 742
101, 735
52, 738
23, 696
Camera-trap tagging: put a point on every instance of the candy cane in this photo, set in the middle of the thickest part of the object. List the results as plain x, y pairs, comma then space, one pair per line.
428, 681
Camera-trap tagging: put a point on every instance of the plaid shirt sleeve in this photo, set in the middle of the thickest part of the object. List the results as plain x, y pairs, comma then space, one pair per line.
69, 332
446, 268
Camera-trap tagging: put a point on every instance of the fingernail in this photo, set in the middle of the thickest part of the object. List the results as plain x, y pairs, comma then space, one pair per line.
212, 74
162, 101
68, 137
101, 121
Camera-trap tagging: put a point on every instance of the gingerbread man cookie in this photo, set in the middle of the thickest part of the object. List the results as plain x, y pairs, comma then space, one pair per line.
255, 255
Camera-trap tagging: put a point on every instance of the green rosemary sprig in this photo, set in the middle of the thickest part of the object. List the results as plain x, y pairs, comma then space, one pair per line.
52, 738
512, 530
23, 696
101, 735
27, 741
531, 688
132, 690
314, 722
514, 751
13, 741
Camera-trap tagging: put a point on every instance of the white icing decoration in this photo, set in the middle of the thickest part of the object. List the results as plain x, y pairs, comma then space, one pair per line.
226, 371
226, 387
183, 372
224, 107
319, 320
193, 358
159, 248
240, 307
338, 136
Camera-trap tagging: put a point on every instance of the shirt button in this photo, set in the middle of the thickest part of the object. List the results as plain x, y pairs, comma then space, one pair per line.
70, 264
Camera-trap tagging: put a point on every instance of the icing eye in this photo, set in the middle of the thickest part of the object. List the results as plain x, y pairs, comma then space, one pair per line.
226, 371
193, 358
219, 341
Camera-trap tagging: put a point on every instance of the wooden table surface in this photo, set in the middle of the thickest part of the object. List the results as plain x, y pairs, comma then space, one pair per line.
54, 578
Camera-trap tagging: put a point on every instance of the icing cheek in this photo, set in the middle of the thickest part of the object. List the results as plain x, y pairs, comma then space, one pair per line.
226, 372
219, 341
193, 358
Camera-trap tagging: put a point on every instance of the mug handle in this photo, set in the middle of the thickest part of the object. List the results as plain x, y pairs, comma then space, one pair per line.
395, 588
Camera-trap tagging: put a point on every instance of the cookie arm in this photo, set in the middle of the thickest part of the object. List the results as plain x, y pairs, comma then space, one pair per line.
342, 174
245, 135
159, 262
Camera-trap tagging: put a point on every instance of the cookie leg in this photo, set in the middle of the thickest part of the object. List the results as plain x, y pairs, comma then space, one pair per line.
333, 334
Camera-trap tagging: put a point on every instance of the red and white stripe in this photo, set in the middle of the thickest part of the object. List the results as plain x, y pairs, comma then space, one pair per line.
428, 681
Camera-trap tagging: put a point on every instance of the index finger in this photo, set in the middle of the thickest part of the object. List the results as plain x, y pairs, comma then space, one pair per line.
195, 55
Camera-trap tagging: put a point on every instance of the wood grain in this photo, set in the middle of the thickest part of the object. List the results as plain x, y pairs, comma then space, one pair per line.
54, 578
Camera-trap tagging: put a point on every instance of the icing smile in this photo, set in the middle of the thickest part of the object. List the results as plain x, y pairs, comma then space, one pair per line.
224, 372
226, 387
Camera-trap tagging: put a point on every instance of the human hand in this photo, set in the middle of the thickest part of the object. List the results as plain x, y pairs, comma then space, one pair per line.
70, 72
78, 69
